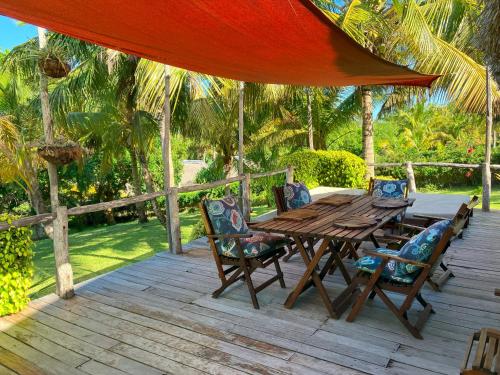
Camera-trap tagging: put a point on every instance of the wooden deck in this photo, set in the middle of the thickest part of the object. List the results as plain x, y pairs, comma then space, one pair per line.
157, 317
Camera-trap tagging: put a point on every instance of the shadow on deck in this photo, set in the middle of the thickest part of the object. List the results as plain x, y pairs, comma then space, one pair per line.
157, 316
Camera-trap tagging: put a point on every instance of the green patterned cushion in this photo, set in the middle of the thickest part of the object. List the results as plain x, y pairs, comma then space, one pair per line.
257, 245
389, 189
225, 216
296, 195
418, 248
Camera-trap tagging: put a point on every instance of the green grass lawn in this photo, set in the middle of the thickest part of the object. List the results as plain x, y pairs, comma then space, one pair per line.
470, 190
94, 251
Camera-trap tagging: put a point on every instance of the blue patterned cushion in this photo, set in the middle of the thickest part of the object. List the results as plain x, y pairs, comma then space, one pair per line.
225, 216
296, 195
418, 248
389, 189
257, 245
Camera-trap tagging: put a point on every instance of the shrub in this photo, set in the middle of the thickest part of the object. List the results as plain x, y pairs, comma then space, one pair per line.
198, 230
16, 267
327, 168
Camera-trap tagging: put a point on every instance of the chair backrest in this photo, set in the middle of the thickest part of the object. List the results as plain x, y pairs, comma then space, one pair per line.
296, 195
279, 198
424, 245
388, 188
460, 218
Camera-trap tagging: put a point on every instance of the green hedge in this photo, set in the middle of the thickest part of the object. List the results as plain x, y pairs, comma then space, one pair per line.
327, 168
16, 267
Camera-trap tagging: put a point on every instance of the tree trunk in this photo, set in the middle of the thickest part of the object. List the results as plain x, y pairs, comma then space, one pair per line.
310, 129
36, 199
148, 181
136, 185
368, 152
48, 125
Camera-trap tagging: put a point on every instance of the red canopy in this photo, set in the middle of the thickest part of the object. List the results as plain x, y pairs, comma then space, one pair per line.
271, 41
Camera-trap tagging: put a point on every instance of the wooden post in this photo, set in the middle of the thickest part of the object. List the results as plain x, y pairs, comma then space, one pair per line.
241, 97
48, 124
412, 187
247, 209
487, 145
175, 224
64, 272
289, 174
166, 153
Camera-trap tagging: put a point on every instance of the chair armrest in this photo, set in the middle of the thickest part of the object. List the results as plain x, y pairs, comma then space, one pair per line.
413, 227
399, 259
431, 218
233, 235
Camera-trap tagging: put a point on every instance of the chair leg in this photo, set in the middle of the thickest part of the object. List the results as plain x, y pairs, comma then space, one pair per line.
423, 302
372, 295
280, 274
225, 283
251, 288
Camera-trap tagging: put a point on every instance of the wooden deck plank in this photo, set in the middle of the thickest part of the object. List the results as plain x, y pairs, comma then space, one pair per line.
157, 316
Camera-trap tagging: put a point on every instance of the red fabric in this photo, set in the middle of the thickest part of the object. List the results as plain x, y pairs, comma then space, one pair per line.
272, 41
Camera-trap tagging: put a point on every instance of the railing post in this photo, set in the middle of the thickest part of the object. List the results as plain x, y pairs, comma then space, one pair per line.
412, 186
246, 197
289, 174
175, 224
64, 272
486, 186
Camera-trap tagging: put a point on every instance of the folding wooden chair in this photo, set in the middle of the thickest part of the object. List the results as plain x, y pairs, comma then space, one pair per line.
461, 219
382, 271
487, 358
243, 251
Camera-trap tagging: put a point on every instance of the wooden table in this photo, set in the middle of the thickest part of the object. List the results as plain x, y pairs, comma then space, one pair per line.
333, 240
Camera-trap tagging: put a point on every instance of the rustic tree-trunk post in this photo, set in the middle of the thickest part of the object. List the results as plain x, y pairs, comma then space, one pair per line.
247, 209
64, 272
412, 186
367, 131
487, 146
168, 168
310, 130
241, 98
48, 124
289, 174
175, 223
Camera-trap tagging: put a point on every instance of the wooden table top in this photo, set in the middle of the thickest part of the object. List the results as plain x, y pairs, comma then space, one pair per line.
323, 226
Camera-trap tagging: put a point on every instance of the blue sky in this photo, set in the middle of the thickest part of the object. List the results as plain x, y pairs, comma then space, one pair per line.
12, 34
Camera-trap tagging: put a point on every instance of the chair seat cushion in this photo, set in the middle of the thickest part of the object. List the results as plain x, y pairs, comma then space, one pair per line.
389, 189
258, 245
296, 195
419, 248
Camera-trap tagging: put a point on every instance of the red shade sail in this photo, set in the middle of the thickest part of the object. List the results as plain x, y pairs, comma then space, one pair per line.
271, 41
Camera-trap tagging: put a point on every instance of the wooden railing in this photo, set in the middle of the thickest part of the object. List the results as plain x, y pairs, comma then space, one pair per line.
486, 169
59, 218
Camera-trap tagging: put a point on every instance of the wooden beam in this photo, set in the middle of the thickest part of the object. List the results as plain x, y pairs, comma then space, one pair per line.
289, 174
268, 174
246, 197
64, 272
27, 221
175, 223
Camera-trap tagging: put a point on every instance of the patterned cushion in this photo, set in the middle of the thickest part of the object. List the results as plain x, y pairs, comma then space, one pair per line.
418, 248
225, 216
296, 195
257, 245
389, 189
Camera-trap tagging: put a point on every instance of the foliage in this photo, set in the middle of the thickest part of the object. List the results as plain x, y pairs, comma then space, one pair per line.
327, 168
16, 267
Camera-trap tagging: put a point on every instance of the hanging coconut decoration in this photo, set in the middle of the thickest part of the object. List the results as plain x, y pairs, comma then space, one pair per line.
60, 152
54, 67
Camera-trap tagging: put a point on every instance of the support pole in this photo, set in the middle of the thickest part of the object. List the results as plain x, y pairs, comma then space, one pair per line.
241, 97
48, 124
412, 186
64, 272
487, 146
166, 153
